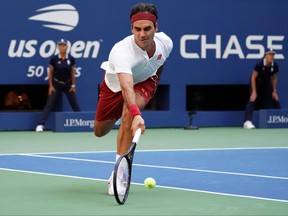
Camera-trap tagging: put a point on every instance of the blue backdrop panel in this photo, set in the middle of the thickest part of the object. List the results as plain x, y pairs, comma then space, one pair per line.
215, 42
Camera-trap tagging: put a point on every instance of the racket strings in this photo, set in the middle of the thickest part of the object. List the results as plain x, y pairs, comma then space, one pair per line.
122, 177
123, 171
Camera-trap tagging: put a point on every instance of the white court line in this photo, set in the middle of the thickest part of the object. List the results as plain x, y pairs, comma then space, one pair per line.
160, 186
160, 167
67, 158
153, 150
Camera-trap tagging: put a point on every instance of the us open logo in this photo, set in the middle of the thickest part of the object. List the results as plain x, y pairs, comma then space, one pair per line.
62, 17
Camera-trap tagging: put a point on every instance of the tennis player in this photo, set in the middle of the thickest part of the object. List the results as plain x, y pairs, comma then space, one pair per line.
131, 77
263, 87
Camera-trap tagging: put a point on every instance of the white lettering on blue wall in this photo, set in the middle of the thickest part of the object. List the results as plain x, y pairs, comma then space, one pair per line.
220, 49
277, 119
74, 122
30, 48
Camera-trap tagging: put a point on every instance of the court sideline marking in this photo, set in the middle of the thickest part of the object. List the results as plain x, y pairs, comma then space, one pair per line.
160, 186
159, 167
153, 150
158, 150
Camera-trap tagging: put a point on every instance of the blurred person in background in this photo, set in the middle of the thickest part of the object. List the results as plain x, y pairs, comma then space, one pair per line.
263, 87
61, 78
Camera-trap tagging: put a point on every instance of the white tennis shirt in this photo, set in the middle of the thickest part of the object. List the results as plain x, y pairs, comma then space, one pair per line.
127, 57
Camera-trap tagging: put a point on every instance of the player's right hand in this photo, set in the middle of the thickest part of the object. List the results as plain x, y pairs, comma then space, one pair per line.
51, 90
138, 122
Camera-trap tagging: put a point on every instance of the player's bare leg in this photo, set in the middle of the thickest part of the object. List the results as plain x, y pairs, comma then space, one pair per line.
125, 137
101, 128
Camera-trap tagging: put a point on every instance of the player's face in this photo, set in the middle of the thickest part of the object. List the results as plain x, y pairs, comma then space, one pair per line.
62, 48
269, 57
144, 31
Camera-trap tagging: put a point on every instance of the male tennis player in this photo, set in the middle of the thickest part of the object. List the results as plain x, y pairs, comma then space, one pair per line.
263, 87
131, 77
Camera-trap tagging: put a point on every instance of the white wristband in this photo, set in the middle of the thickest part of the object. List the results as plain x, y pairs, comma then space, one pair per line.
73, 86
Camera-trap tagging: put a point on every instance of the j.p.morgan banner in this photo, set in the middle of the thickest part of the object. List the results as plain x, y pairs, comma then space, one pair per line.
273, 118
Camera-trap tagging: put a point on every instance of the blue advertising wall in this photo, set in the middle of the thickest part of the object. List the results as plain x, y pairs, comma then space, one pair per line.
215, 42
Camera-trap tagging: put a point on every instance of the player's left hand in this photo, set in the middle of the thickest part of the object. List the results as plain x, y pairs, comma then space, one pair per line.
138, 122
275, 96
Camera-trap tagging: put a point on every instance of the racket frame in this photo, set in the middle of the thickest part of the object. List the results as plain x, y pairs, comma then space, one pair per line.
129, 157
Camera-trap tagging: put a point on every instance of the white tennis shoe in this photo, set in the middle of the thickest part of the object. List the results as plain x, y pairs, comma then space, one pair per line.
110, 185
120, 183
39, 128
248, 125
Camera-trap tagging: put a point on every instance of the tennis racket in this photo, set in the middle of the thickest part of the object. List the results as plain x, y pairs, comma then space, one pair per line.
123, 170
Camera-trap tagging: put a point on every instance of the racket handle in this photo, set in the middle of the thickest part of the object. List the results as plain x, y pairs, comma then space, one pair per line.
137, 136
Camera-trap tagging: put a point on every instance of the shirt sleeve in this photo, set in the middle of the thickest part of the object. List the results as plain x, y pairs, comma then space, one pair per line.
168, 43
52, 62
258, 68
276, 68
73, 62
120, 59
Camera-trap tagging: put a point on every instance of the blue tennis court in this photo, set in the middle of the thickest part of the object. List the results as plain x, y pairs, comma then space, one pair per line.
260, 173
212, 171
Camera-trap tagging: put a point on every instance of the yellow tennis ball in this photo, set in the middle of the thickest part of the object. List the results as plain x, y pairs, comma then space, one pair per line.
149, 183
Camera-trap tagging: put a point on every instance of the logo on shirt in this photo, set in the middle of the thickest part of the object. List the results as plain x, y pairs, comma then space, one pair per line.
159, 57
62, 17
271, 69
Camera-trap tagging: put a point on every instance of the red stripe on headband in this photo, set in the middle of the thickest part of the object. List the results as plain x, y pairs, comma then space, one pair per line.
143, 16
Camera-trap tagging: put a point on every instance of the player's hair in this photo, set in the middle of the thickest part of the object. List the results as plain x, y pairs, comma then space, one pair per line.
144, 7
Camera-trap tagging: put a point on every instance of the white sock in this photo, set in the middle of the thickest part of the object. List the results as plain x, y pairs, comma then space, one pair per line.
117, 156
